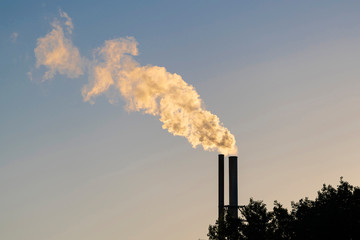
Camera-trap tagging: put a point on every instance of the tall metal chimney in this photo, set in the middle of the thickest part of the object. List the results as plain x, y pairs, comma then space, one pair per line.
221, 187
233, 186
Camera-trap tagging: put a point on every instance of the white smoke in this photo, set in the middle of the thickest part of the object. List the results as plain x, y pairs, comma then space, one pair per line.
150, 89
56, 51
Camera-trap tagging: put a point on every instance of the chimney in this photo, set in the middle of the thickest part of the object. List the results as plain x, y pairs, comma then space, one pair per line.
233, 186
221, 187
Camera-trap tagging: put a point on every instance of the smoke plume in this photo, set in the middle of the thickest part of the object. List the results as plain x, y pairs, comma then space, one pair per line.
149, 89
56, 51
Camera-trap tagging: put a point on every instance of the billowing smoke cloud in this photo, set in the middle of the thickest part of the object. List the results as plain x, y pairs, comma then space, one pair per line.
56, 51
114, 60
149, 89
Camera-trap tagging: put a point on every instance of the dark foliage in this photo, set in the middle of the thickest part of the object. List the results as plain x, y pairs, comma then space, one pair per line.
334, 214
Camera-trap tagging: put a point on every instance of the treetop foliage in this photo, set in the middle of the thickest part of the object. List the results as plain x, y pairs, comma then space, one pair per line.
334, 214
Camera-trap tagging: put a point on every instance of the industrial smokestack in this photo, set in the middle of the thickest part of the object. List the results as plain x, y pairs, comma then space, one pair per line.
221, 187
233, 187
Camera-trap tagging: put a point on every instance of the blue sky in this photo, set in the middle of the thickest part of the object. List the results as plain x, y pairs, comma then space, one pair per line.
282, 76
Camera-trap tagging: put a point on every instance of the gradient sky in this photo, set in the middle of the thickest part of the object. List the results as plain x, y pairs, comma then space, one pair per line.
283, 77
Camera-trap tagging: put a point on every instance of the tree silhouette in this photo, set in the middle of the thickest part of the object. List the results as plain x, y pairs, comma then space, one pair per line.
334, 214
281, 223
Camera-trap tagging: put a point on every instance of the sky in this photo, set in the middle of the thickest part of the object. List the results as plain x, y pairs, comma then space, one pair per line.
282, 77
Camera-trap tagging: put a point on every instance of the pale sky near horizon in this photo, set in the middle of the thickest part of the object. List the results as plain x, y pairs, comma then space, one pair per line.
282, 76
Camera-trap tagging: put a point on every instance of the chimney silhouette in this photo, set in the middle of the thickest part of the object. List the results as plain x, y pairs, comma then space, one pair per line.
233, 188
221, 187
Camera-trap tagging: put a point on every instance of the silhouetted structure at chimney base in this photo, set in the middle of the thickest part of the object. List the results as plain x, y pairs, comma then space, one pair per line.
233, 187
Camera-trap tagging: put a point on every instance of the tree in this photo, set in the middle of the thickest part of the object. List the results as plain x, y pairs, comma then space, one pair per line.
334, 214
281, 223
257, 221
229, 228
